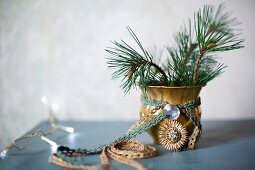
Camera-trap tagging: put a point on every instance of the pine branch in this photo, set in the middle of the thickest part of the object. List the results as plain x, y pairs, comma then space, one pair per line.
180, 59
191, 60
194, 77
133, 66
214, 32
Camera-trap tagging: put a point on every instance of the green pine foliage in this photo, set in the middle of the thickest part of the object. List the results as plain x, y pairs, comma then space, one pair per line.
191, 58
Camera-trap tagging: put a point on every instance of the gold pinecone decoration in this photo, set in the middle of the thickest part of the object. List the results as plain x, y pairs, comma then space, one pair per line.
172, 135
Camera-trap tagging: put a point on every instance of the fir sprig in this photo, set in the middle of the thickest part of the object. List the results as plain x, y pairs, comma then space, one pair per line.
191, 60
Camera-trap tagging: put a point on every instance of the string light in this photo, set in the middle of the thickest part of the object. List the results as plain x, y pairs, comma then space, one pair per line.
52, 110
3, 153
44, 100
28, 138
53, 144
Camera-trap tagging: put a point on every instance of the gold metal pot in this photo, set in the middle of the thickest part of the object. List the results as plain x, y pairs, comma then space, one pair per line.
173, 95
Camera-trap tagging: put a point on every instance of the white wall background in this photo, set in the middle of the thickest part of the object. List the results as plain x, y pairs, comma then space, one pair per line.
56, 49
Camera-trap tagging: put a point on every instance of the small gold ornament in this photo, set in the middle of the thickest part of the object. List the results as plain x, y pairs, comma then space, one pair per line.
172, 135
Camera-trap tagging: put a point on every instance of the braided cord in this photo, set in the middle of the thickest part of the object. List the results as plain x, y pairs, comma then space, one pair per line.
131, 134
151, 102
187, 106
77, 161
142, 127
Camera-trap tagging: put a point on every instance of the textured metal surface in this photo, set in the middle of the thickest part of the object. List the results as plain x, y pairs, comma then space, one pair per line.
225, 145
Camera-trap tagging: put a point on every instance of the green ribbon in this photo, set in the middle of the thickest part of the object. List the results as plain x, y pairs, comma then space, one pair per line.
187, 107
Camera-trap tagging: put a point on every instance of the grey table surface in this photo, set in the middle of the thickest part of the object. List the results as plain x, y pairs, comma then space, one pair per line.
224, 145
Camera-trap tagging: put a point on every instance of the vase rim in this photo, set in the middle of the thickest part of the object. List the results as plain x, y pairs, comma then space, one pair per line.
176, 87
